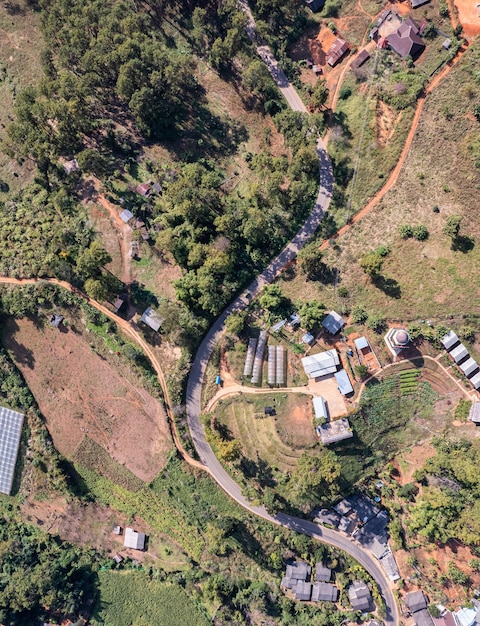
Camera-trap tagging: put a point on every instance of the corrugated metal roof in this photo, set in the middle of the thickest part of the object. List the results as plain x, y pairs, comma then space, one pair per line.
320, 407
343, 382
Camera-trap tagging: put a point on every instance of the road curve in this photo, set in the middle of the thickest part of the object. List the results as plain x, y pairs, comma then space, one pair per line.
197, 373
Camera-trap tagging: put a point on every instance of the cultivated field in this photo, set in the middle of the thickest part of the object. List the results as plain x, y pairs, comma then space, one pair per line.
95, 408
278, 440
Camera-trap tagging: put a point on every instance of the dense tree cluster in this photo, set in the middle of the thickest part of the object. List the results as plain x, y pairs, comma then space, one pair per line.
42, 576
448, 506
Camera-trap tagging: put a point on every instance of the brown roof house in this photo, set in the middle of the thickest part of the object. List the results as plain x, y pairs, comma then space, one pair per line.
406, 41
337, 51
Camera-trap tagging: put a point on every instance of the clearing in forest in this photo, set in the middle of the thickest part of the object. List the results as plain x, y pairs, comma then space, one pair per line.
92, 405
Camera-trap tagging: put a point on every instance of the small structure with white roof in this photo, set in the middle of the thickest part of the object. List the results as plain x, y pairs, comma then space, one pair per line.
320, 408
449, 341
469, 367
321, 364
126, 216
474, 413
133, 539
152, 319
343, 382
333, 322
459, 354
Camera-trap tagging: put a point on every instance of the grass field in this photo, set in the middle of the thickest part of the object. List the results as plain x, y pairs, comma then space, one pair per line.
21, 43
131, 598
423, 279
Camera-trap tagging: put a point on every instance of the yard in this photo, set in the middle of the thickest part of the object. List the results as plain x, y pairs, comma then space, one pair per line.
95, 408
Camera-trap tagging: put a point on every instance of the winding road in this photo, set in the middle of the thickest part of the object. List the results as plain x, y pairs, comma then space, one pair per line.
197, 373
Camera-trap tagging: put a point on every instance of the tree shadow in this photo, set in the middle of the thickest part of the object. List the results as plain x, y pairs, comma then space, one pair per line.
389, 286
22, 354
463, 243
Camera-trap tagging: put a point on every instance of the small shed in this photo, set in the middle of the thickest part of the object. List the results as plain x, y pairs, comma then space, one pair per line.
343, 382
278, 326
118, 559
134, 539
117, 530
119, 302
71, 166
126, 216
362, 343
446, 44
144, 189
156, 188
334, 431
56, 320
218, 380
418, 3
333, 322
315, 5
360, 59
295, 319
269, 410
450, 340
317, 69
320, 408
152, 319
308, 338
459, 354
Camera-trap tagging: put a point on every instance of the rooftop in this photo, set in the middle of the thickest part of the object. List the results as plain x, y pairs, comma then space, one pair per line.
322, 573
343, 382
152, 319
337, 50
324, 592
321, 364
459, 353
449, 340
474, 414
333, 322
134, 539
11, 424
303, 590
334, 431
325, 516
416, 601
360, 596
298, 570
320, 408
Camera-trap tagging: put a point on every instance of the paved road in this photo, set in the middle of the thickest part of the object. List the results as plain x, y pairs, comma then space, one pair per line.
197, 373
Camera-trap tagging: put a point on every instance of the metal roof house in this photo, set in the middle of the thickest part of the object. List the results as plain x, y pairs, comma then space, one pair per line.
308, 338
134, 539
415, 601
390, 566
299, 570
459, 354
56, 320
418, 3
360, 59
360, 596
469, 367
11, 424
361, 343
333, 322
423, 618
334, 431
126, 216
337, 51
343, 382
322, 573
303, 590
321, 364
320, 408
324, 592
449, 341
152, 319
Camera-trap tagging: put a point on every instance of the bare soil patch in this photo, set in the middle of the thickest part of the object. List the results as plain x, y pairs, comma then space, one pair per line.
407, 464
296, 421
80, 393
469, 16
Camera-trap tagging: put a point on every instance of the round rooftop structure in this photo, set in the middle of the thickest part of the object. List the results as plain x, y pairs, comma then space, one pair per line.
401, 338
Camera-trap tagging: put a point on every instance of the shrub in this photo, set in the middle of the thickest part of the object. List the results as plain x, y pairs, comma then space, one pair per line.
456, 575
420, 232
359, 315
462, 410
376, 323
443, 8
467, 333
383, 250
405, 231
361, 371
408, 491
342, 292
346, 92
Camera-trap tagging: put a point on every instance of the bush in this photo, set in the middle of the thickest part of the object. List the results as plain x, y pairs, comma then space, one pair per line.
405, 231
420, 232
383, 250
376, 323
345, 92
467, 333
361, 371
342, 292
359, 315
462, 410
408, 491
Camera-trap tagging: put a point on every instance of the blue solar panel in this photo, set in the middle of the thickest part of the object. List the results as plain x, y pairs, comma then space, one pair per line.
11, 424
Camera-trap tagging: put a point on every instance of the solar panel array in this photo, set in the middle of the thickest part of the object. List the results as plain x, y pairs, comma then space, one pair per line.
11, 424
